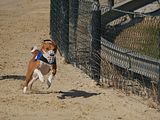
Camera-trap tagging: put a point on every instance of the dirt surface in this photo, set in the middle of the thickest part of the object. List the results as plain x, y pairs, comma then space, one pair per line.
72, 96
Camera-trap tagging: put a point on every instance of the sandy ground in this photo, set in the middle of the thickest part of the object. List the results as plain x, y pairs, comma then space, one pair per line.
72, 96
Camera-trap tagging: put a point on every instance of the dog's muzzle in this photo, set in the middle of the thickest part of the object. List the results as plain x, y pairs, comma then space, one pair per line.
50, 56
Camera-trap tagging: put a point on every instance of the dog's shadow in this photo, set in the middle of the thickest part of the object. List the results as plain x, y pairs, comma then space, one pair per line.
75, 93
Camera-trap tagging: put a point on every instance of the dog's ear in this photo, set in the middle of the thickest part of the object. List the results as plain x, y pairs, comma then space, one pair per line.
56, 48
55, 45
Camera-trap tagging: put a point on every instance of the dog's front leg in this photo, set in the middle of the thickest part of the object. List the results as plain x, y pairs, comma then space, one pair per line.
49, 81
38, 72
51, 77
31, 82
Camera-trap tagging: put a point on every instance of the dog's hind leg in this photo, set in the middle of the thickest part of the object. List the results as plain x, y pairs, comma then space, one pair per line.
31, 82
26, 81
32, 64
24, 89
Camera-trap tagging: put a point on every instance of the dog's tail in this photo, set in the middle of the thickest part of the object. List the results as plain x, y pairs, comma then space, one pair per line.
33, 49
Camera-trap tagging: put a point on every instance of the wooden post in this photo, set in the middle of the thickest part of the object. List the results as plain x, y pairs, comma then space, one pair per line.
96, 41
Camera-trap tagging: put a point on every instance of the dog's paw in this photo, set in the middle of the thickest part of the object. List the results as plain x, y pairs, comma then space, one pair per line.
48, 83
24, 90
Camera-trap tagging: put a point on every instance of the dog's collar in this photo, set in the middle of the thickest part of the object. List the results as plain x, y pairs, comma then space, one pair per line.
46, 61
39, 55
42, 58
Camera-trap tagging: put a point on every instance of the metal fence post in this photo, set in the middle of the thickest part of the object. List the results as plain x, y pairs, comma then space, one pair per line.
158, 88
73, 14
110, 4
96, 41
65, 29
53, 19
158, 84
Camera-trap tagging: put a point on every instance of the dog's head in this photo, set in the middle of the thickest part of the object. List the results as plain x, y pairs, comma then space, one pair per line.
49, 49
49, 46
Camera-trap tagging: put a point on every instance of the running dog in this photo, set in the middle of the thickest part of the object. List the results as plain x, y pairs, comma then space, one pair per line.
42, 63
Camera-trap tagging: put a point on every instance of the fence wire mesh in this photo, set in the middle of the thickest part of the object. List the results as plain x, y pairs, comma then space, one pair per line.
123, 53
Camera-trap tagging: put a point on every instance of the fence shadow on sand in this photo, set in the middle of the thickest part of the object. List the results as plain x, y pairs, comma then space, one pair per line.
17, 77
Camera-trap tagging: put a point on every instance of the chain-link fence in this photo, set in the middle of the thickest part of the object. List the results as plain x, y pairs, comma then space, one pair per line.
123, 52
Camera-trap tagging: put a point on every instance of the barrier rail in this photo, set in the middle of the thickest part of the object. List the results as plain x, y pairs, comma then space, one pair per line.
130, 60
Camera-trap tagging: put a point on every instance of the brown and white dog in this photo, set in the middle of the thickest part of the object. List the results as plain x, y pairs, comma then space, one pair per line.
42, 63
